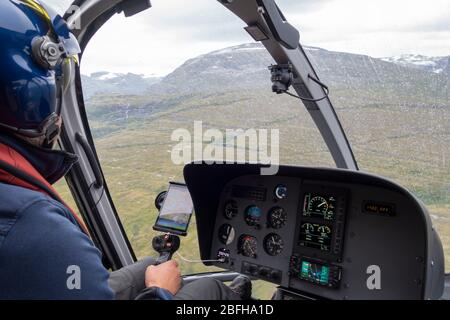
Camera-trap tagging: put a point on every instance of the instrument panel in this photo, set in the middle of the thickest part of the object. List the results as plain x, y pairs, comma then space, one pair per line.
283, 221
317, 232
254, 224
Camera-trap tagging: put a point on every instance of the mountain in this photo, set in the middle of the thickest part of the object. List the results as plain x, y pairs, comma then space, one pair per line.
115, 83
244, 68
239, 67
432, 64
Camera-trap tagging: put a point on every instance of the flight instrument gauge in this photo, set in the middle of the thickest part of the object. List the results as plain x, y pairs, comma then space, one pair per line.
230, 210
319, 204
277, 217
273, 244
248, 246
226, 234
252, 215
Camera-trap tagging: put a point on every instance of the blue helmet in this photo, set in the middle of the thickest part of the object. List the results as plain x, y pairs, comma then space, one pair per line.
36, 55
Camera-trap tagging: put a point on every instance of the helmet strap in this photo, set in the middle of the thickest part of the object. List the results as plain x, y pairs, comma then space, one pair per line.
51, 129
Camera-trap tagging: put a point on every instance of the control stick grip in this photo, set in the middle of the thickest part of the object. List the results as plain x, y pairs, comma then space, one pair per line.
166, 245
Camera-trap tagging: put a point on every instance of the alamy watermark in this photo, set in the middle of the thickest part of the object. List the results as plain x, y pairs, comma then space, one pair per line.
74, 20
374, 280
74, 279
228, 146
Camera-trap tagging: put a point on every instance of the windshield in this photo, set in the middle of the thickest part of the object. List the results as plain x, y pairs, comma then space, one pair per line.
387, 69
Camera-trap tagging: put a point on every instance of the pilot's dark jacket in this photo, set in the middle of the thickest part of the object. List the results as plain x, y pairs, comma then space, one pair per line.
44, 254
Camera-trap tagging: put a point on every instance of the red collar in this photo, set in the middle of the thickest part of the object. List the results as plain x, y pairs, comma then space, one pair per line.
15, 159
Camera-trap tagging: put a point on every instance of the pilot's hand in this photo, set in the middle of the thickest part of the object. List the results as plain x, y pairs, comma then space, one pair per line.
166, 276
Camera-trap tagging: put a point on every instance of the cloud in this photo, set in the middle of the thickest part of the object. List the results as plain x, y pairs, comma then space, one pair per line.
172, 31
355, 16
441, 24
59, 5
378, 28
163, 37
302, 5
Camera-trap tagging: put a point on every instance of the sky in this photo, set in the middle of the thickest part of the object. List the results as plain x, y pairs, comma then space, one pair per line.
160, 39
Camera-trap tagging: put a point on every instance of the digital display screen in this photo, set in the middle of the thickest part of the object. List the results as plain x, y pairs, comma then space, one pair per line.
315, 272
316, 235
382, 209
176, 210
319, 206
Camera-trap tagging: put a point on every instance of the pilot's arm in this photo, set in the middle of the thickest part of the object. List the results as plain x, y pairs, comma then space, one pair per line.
54, 259
144, 280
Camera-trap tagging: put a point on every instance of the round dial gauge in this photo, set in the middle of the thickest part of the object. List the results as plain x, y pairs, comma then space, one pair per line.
252, 215
324, 230
226, 234
277, 217
308, 227
319, 204
273, 244
248, 246
230, 210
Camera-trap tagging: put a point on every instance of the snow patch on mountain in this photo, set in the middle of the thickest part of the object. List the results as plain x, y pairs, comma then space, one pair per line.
433, 64
245, 67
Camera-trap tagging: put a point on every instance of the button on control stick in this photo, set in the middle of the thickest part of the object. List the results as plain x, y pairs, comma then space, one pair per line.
166, 245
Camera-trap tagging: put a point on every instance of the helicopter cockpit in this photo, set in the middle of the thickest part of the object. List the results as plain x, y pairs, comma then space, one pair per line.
317, 232
312, 232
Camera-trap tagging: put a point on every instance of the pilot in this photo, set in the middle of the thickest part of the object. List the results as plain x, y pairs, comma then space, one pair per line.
43, 244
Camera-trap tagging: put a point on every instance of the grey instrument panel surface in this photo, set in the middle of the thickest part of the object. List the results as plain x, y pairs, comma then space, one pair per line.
238, 223
396, 244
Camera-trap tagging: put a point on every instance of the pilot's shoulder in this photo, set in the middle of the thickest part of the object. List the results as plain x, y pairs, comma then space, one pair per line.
44, 235
13, 199
24, 206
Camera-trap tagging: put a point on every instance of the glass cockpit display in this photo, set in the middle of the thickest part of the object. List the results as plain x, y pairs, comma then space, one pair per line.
319, 206
316, 236
320, 229
315, 272
176, 210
